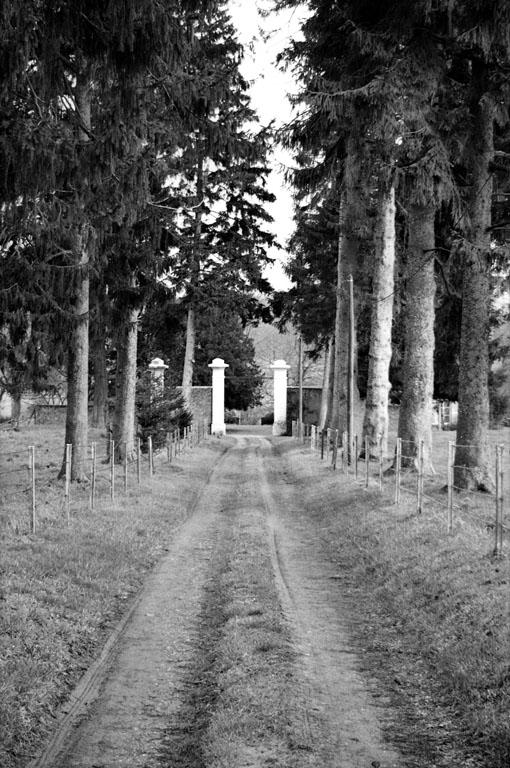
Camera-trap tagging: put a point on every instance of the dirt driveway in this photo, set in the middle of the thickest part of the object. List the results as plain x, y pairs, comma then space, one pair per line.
237, 651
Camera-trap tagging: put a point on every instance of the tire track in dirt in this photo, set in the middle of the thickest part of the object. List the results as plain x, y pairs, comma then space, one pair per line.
336, 690
119, 710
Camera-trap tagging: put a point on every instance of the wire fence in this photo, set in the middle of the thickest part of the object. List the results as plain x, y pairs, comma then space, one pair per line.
405, 476
110, 472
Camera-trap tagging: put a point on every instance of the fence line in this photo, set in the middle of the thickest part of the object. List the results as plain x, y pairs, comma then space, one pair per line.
176, 442
326, 445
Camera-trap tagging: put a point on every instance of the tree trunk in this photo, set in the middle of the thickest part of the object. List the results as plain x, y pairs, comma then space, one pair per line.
472, 454
415, 418
327, 385
375, 425
77, 372
78, 355
348, 246
16, 406
189, 354
100, 402
125, 387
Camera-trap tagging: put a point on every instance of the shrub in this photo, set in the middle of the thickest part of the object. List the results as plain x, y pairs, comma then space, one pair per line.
159, 411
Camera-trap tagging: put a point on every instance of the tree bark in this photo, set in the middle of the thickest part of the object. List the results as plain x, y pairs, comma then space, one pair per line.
472, 452
189, 354
375, 425
327, 386
76, 431
348, 247
78, 357
415, 417
125, 387
100, 401
16, 406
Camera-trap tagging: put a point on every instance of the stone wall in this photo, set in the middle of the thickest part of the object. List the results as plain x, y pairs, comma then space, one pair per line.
201, 403
311, 405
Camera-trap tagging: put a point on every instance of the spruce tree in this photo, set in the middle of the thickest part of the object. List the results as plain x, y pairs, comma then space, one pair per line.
221, 188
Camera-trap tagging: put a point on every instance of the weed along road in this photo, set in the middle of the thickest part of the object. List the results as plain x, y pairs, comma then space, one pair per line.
237, 651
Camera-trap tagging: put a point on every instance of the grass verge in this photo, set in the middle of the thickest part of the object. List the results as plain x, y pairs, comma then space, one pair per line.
63, 588
431, 613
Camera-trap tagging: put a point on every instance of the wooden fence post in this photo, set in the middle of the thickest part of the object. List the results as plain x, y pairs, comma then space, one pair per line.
355, 449
69, 449
451, 459
322, 444
151, 466
398, 465
112, 470
498, 528
335, 448
381, 463
93, 475
138, 459
367, 463
419, 489
501, 496
31, 464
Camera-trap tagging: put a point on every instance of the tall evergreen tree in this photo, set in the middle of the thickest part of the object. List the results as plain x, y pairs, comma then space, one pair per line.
74, 62
220, 182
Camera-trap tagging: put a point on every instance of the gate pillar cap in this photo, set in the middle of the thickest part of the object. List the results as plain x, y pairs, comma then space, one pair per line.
279, 365
157, 364
218, 363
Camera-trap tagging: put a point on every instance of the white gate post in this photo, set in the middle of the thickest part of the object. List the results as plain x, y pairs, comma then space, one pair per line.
218, 396
157, 368
280, 369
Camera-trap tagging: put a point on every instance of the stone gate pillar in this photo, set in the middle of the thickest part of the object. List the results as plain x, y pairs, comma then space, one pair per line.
218, 396
280, 369
157, 368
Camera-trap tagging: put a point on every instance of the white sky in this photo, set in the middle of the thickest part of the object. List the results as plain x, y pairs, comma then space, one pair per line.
269, 89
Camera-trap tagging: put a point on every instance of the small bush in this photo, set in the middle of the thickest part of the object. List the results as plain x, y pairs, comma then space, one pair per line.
159, 411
